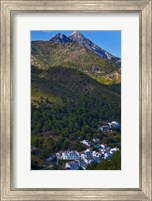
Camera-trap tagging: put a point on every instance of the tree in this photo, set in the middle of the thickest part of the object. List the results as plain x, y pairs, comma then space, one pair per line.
92, 166
34, 165
35, 141
80, 168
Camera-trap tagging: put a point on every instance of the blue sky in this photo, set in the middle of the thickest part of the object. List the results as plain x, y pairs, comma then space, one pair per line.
108, 40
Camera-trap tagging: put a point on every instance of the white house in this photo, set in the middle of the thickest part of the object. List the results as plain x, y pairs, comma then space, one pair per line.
82, 155
73, 165
102, 146
85, 142
87, 160
110, 125
83, 165
94, 153
114, 150
70, 155
115, 124
67, 166
104, 128
95, 140
59, 155
107, 155
97, 159
88, 153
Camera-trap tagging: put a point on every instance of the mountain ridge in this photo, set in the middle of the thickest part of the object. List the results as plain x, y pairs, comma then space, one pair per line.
75, 53
85, 42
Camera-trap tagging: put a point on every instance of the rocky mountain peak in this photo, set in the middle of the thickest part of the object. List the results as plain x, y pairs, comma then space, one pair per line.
60, 38
88, 44
77, 37
76, 34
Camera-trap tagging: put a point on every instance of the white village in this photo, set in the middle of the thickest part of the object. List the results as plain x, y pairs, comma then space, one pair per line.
75, 160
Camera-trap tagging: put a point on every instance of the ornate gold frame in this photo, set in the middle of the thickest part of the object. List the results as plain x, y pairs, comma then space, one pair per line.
143, 7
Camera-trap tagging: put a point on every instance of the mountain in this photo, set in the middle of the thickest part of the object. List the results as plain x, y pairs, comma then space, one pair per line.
78, 37
77, 52
63, 96
55, 82
72, 94
60, 38
85, 42
48, 54
67, 107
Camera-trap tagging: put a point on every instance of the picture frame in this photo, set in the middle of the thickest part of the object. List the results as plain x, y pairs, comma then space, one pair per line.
8, 9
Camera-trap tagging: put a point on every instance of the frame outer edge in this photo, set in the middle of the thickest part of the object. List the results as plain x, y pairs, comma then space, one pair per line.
76, 5
6, 193
146, 101
2, 97
149, 59
5, 101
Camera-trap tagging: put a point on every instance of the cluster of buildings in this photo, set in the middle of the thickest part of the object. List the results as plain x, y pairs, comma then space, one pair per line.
75, 160
84, 158
110, 126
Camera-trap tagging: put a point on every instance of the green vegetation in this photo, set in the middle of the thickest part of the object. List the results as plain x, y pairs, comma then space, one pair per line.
113, 164
73, 119
72, 55
70, 100
76, 110
56, 82
62, 116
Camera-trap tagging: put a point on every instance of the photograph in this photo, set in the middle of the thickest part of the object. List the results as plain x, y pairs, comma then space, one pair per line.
76, 100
